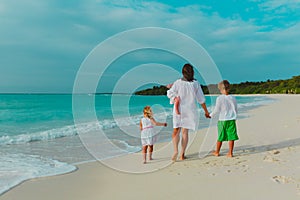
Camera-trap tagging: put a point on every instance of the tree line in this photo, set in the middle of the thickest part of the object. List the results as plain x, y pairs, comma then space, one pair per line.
289, 86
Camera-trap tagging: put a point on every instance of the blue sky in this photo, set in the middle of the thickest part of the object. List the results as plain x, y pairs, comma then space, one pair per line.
43, 42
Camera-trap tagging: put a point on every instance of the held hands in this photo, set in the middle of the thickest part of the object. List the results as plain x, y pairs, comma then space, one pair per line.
205, 110
207, 115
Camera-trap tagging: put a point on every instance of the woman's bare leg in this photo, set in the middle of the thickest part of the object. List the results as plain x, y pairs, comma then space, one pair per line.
175, 139
184, 142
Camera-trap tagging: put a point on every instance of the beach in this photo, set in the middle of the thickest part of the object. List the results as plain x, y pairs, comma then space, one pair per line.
265, 165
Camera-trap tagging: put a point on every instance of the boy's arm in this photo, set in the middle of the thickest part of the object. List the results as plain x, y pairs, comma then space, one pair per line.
216, 109
235, 106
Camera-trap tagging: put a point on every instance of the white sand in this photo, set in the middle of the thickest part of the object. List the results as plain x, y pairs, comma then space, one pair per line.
266, 166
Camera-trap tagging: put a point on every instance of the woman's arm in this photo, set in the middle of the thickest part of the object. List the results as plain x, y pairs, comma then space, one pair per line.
199, 94
205, 110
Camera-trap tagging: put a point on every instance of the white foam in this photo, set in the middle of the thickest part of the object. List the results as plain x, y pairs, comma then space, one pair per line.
125, 146
16, 168
71, 130
256, 102
38, 136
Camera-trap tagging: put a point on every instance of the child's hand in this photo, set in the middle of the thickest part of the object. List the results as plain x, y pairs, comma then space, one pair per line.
169, 86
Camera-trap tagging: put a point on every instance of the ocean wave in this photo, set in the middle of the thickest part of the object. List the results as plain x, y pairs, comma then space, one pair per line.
255, 102
39, 136
125, 146
72, 130
26, 167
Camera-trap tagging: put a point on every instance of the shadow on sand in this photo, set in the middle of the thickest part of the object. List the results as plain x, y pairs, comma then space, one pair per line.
249, 149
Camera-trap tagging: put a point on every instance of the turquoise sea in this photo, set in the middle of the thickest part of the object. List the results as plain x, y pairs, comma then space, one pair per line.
38, 136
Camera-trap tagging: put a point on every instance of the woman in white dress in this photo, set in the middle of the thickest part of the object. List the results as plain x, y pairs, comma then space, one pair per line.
189, 91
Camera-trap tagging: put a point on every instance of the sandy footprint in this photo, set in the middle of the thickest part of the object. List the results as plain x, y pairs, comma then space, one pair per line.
283, 179
270, 159
287, 180
241, 161
275, 152
290, 148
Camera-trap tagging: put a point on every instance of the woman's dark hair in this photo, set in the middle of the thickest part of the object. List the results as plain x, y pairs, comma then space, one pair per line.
188, 72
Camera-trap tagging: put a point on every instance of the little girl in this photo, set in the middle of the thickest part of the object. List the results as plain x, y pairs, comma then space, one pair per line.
147, 132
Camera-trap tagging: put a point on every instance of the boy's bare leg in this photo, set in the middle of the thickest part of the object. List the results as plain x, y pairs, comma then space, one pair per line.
231, 145
184, 142
150, 152
218, 147
144, 152
175, 139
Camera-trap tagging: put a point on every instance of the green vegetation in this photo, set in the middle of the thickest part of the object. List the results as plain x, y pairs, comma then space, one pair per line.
289, 86
156, 90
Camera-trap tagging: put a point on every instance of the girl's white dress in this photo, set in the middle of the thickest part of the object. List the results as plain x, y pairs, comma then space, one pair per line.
189, 93
148, 136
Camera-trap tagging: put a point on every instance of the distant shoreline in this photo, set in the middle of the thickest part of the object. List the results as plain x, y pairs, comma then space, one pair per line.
287, 86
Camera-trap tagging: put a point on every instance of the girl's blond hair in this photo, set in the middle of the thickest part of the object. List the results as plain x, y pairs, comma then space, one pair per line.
148, 111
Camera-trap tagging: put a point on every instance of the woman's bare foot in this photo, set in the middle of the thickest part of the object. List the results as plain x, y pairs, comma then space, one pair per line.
215, 153
174, 157
229, 155
182, 157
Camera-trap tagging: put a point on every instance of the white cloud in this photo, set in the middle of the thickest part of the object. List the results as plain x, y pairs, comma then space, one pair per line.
278, 4
48, 29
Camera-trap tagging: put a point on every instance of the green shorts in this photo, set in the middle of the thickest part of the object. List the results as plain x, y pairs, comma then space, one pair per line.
227, 131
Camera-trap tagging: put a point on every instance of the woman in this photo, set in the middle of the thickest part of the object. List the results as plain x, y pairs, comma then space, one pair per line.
189, 91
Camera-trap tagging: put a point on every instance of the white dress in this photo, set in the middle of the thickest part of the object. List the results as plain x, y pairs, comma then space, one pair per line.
148, 136
189, 93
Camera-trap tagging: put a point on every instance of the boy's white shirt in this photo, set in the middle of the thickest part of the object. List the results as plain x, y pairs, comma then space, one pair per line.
226, 107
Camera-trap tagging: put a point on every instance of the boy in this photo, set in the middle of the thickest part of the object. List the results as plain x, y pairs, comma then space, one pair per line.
226, 107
